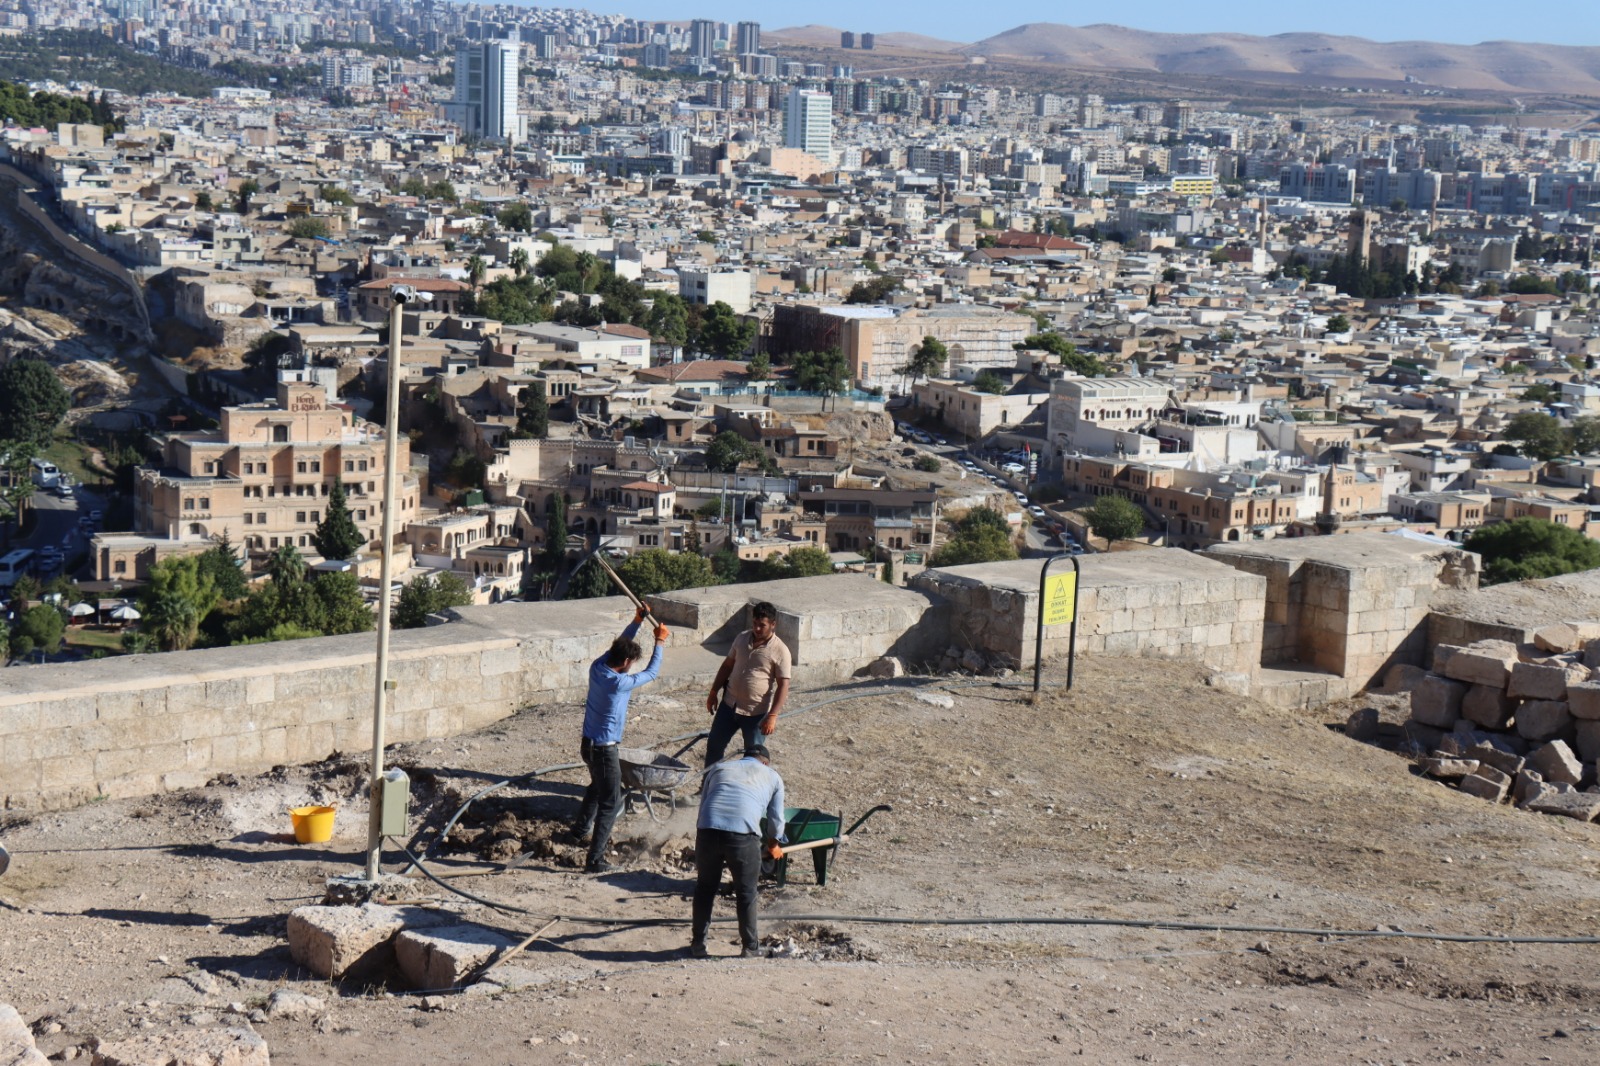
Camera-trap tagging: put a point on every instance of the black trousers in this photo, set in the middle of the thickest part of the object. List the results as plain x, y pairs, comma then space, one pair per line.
724, 725
741, 854
602, 800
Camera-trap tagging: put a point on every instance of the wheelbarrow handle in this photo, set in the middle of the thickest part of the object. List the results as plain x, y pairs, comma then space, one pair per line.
880, 807
843, 838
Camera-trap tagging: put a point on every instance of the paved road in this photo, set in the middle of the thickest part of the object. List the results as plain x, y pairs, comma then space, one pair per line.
58, 522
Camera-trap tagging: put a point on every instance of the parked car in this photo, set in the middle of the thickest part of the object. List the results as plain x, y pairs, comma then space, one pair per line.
1036, 511
1021, 498
1013, 468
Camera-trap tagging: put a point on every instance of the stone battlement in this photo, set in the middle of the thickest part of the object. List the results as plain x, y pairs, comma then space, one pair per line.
1343, 608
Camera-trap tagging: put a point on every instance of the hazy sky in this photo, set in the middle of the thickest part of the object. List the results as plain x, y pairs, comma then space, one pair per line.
1463, 21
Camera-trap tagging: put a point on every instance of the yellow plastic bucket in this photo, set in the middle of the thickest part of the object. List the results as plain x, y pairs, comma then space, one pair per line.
312, 825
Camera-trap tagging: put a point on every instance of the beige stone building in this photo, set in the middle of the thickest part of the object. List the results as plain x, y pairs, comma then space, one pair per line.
262, 477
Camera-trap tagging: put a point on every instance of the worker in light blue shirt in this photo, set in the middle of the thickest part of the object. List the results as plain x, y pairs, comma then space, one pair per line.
737, 795
605, 714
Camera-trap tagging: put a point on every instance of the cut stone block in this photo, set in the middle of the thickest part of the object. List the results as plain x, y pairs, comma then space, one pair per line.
355, 942
1487, 706
1583, 699
1490, 754
1488, 783
1448, 768
1584, 806
1403, 677
1442, 654
1588, 740
888, 666
1536, 681
1436, 701
1488, 662
1543, 719
447, 956
1529, 784
188, 1047
1556, 762
1591, 653
1565, 636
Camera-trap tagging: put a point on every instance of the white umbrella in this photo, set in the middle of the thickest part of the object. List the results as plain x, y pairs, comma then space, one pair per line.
80, 610
125, 613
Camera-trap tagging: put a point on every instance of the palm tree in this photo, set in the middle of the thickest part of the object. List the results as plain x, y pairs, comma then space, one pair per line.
519, 261
476, 268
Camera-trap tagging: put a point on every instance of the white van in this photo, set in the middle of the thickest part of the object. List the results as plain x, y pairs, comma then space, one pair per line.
13, 565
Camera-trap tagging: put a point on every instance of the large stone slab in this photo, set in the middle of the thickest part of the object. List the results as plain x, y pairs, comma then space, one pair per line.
353, 942
1544, 681
1556, 762
1488, 783
447, 956
1488, 662
1543, 719
186, 1047
1436, 701
1487, 706
1583, 699
1584, 806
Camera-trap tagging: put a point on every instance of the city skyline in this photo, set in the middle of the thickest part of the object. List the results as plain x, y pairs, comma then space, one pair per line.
1471, 22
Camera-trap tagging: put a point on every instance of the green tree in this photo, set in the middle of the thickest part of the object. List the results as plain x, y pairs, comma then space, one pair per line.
16, 458
517, 217
246, 193
1064, 350
25, 591
222, 565
727, 451
725, 566
264, 357
32, 401
476, 268
706, 236
292, 605
589, 581
1527, 548
1338, 324
41, 627
428, 595
982, 535
760, 366
336, 536
176, 600
668, 320
1538, 435
657, 570
926, 358
874, 291
723, 333
805, 561
203, 201
533, 414
335, 194
1586, 435
927, 464
990, 382
826, 372
520, 263
555, 535
1115, 518
1527, 284
1538, 392
308, 228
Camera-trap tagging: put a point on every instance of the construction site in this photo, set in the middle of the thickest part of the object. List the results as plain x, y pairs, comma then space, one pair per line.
1183, 857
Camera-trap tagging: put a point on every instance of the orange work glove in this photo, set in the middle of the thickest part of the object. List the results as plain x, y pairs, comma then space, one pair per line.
774, 851
662, 633
638, 616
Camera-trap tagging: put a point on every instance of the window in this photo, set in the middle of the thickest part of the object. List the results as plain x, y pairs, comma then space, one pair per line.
302, 540
205, 503
300, 517
211, 466
120, 566
188, 503
194, 529
349, 465
249, 519
316, 466
300, 467
314, 517
261, 518
280, 434
274, 542
362, 465
361, 515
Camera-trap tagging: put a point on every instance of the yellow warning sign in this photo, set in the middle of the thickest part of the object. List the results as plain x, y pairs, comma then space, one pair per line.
1060, 594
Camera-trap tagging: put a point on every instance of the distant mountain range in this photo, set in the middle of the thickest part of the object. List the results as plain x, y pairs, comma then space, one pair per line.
1296, 58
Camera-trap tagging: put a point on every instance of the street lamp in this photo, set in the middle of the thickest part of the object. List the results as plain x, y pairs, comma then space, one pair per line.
399, 295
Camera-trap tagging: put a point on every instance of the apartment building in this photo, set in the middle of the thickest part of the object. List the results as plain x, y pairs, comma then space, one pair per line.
262, 478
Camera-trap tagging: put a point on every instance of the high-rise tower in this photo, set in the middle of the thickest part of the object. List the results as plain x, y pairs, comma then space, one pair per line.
485, 103
808, 123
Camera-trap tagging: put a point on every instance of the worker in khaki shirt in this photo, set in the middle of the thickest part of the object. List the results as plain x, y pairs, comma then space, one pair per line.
751, 686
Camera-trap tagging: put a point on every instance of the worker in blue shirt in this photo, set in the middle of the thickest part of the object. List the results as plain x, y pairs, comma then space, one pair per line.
737, 795
605, 713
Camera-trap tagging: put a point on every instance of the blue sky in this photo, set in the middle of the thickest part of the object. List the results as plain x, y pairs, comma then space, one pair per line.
1461, 22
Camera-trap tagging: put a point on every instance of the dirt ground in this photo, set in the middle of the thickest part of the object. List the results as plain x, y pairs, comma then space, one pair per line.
1142, 795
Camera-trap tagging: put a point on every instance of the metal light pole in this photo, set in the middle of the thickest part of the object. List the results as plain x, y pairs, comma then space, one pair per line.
381, 688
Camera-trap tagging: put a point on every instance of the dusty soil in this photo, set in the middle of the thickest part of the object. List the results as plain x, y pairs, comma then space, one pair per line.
1142, 795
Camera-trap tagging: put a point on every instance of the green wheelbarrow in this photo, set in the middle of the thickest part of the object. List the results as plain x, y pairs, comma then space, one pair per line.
814, 831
